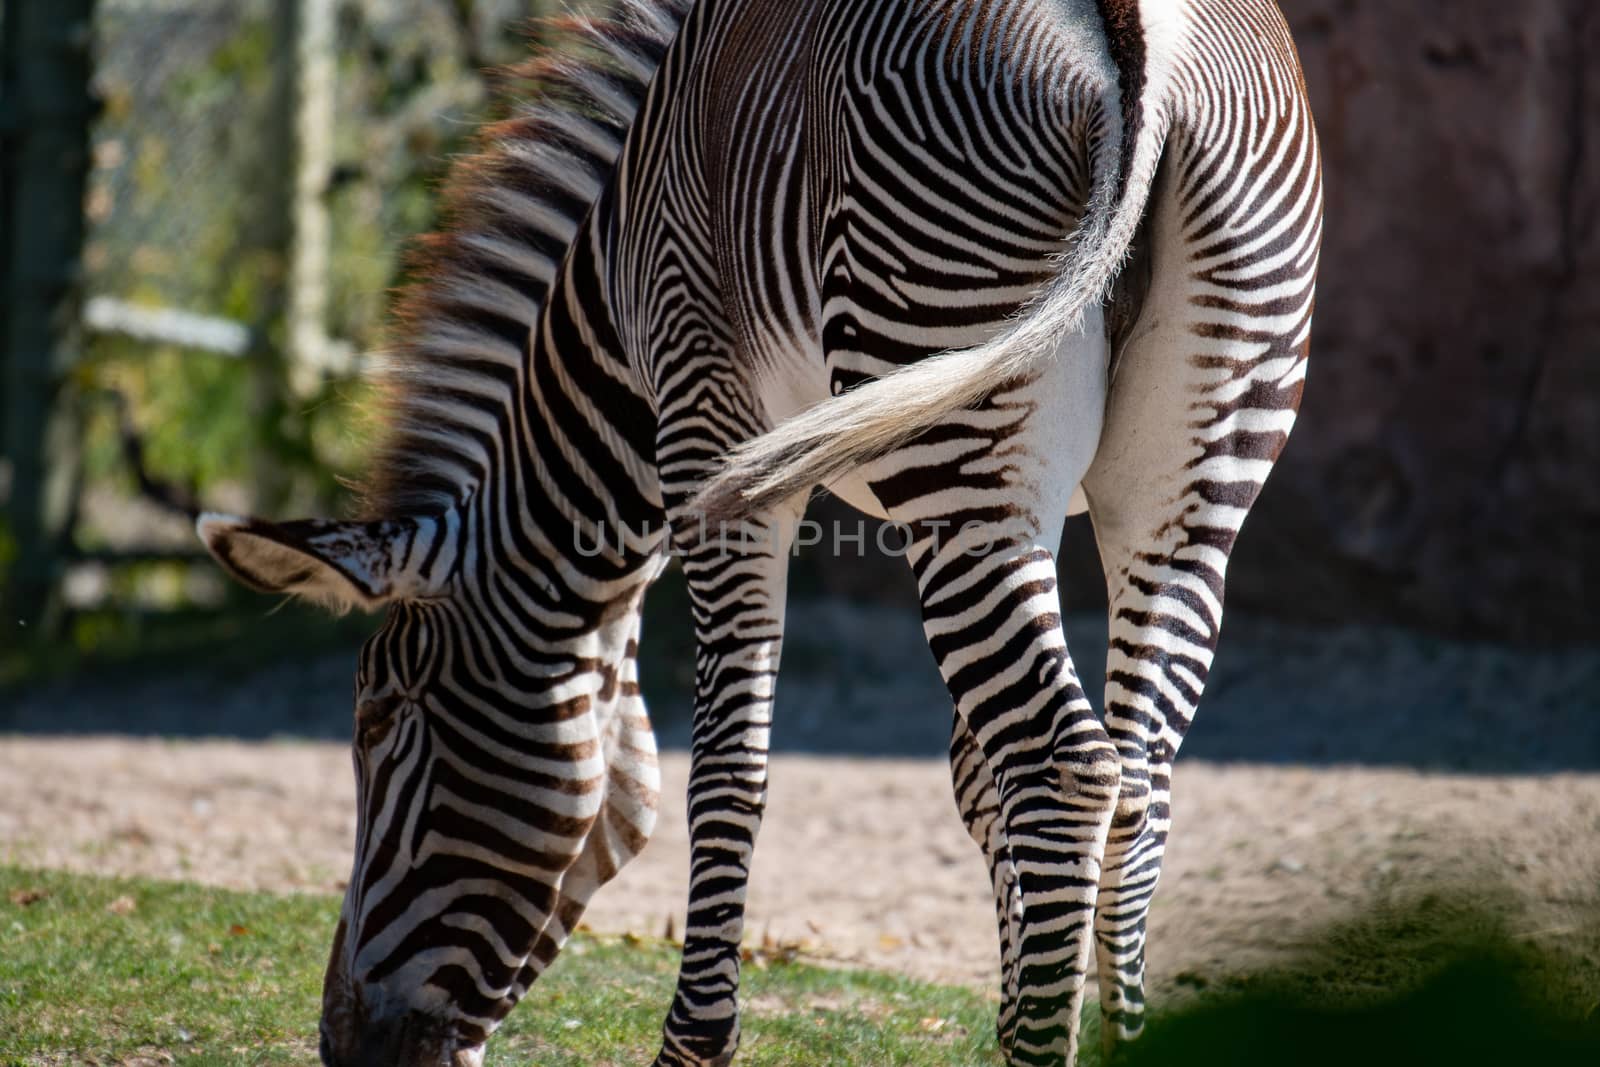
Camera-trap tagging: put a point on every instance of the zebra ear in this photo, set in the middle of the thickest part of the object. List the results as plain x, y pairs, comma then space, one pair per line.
341, 565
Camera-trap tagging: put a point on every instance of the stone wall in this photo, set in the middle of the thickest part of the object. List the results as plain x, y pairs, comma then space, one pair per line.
1445, 471
1446, 466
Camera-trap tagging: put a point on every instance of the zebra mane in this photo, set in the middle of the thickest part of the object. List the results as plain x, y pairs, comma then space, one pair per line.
511, 210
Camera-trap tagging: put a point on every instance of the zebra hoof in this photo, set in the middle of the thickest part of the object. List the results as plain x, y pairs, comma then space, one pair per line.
674, 1054
671, 1060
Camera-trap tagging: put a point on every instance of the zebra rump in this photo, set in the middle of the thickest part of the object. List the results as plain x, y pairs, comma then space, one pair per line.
843, 432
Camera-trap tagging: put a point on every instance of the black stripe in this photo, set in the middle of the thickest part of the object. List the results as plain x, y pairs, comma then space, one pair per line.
1125, 39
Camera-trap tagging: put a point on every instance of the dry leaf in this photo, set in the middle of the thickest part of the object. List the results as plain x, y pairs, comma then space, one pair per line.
238, 931
890, 943
931, 1025
123, 905
23, 897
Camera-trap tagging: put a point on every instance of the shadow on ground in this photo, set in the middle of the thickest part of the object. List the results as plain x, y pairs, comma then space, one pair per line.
1441, 979
859, 680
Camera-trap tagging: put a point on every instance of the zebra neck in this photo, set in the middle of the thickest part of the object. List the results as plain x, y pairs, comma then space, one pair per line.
516, 215
553, 471
581, 490
557, 576
538, 634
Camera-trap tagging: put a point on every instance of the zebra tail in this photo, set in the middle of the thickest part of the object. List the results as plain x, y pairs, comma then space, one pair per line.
838, 435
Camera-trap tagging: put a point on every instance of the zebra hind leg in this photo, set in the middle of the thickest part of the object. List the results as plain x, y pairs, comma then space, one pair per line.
978, 803
1166, 614
993, 622
1204, 399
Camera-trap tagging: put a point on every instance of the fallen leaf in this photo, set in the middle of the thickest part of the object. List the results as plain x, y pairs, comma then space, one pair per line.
123, 905
23, 897
238, 931
932, 1026
890, 943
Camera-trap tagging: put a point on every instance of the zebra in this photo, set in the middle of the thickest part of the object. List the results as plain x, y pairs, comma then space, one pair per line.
973, 265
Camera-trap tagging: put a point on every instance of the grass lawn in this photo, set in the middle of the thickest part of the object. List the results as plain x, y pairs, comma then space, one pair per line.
112, 971
115, 971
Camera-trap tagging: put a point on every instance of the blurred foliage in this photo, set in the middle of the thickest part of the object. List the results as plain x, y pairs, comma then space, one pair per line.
122, 643
412, 87
187, 211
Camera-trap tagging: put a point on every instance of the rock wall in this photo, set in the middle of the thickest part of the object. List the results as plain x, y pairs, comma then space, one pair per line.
1446, 466
1445, 471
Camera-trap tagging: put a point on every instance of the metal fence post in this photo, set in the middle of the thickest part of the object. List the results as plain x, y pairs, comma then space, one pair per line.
311, 353
45, 115
274, 229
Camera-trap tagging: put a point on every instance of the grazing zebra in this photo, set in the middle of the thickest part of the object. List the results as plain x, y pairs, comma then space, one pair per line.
653, 277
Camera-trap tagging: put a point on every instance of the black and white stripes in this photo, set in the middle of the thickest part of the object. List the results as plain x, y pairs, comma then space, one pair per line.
727, 253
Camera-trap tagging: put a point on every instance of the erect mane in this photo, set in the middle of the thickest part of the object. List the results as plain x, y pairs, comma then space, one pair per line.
510, 211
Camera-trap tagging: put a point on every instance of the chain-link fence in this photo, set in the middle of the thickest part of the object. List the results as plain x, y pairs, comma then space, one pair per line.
251, 173
183, 180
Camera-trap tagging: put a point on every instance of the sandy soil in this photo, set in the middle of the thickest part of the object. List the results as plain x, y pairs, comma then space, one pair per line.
1298, 801
862, 861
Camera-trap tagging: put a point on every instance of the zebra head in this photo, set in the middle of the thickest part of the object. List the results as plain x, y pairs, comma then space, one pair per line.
480, 770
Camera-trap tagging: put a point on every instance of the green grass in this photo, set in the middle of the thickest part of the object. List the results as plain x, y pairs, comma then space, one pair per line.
99, 970
112, 971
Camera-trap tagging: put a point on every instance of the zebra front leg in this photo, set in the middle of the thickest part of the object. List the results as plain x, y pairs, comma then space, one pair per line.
993, 623
736, 590
978, 803
623, 827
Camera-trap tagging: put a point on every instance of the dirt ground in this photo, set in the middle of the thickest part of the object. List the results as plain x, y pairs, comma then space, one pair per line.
861, 861
1330, 770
